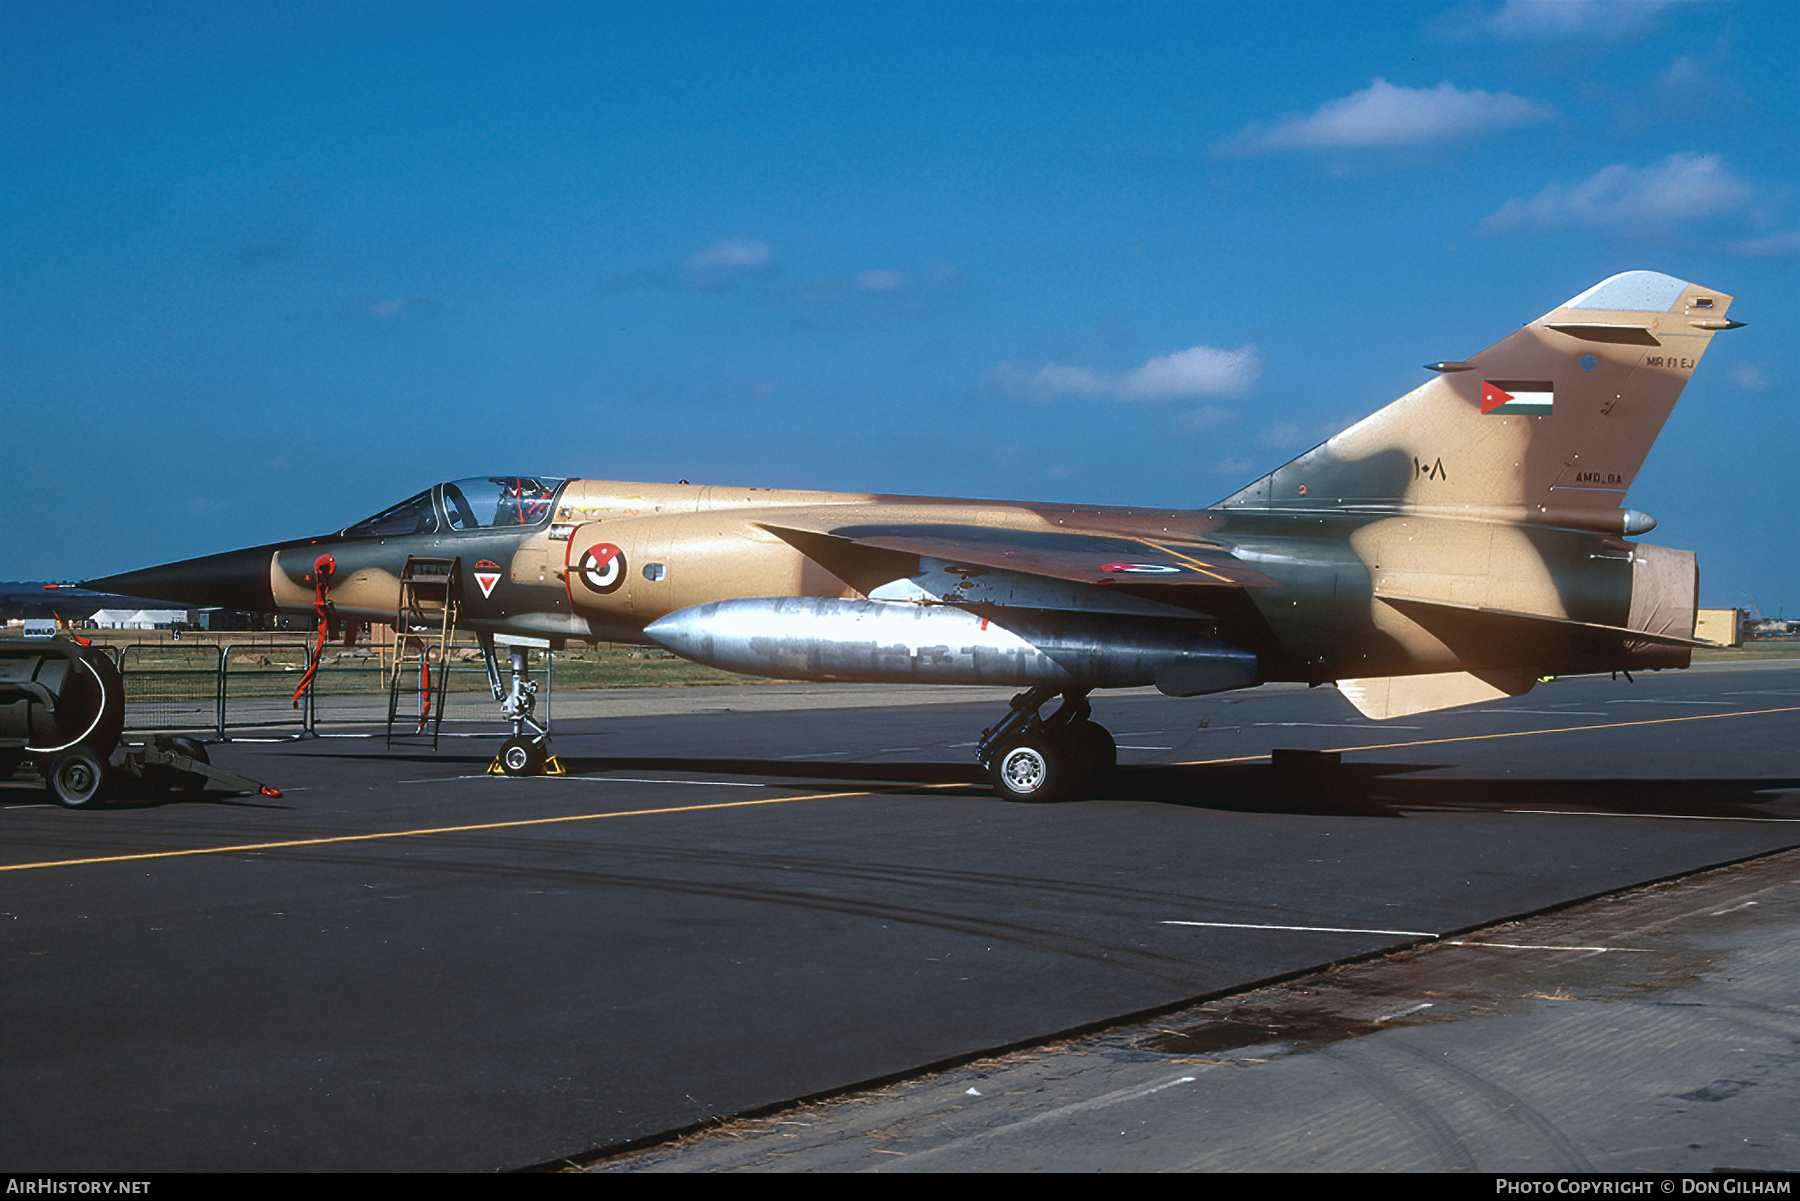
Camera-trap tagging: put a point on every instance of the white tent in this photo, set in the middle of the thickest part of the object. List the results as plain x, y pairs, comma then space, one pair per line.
139, 619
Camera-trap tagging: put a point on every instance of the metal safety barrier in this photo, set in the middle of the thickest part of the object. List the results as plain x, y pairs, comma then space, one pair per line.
247, 686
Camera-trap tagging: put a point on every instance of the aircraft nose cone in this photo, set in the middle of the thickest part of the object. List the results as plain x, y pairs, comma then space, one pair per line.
237, 579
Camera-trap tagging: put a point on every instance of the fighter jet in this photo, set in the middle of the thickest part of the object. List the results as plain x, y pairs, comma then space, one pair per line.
1452, 548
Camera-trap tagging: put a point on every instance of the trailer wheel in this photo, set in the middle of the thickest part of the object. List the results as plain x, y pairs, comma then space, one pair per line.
77, 779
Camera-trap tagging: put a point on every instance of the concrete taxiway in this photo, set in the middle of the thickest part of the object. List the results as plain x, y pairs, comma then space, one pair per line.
1652, 1031
405, 963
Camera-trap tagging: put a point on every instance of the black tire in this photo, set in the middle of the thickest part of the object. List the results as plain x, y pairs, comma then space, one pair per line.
157, 779
77, 779
1030, 770
522, 756
190, 783
1099, 753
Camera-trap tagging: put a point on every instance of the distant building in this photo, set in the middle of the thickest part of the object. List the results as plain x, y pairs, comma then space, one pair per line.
20, 600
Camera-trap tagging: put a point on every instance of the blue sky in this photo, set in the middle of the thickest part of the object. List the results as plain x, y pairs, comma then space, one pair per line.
269, 267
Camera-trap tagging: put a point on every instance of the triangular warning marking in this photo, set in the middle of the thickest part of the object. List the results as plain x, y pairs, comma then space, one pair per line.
487, 580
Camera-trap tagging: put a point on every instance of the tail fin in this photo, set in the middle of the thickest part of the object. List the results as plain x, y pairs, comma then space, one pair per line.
1549, 425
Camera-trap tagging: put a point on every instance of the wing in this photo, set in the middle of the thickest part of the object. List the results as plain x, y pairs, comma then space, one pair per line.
858, 553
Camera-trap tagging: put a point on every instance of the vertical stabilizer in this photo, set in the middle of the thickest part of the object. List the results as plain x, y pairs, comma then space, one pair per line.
1550, 425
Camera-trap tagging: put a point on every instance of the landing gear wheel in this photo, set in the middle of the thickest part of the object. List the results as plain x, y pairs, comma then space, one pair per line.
522, 756
77, 779
190, 783
1029, 771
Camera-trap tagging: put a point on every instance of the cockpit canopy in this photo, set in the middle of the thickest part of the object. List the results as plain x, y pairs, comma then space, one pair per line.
481, 502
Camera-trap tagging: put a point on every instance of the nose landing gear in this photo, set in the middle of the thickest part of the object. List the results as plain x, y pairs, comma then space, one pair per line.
1029, 758
527, 752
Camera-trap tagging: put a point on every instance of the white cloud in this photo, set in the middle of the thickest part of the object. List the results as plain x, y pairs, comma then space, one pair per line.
1559, 19
387, 311
1707, 76
1749, 377
732, 252
726, 261
1631, 199
1206, 417
1193, 373
1685, 77
880, 281
1052, 381
1286, 435
1768, 246
1384, 114
1197, 373
869, 296
1293, 435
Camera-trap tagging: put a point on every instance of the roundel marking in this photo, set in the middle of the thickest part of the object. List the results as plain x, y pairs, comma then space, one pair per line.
1143, 568
602, 567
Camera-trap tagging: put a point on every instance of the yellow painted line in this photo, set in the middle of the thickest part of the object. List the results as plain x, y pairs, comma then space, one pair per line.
1217, 762
1529, 946
1301, 929
1667, 817
1611, 725
244, 848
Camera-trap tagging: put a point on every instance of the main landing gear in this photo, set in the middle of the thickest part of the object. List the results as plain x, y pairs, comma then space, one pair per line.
1046, 759
527, 752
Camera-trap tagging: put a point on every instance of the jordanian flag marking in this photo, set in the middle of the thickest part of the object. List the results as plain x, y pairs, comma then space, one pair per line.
1531, 396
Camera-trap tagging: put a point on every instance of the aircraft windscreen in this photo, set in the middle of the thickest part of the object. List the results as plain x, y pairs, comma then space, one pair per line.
488, 502
414, 516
